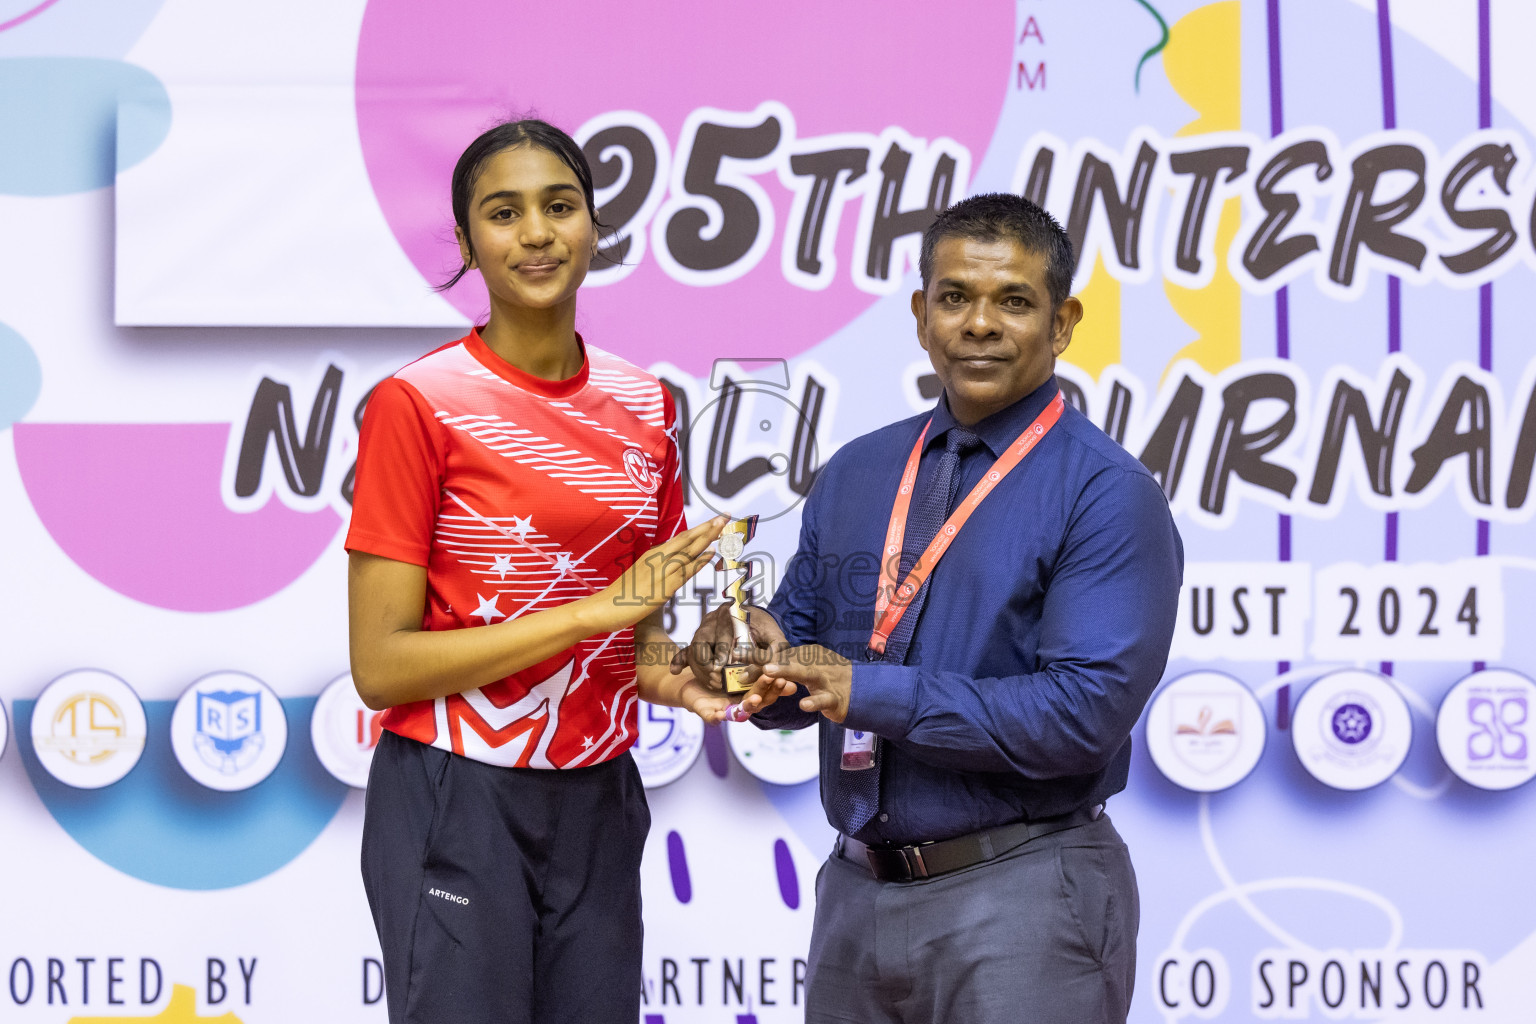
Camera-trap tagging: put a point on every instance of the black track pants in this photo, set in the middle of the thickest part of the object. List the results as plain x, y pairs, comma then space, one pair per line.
504, 895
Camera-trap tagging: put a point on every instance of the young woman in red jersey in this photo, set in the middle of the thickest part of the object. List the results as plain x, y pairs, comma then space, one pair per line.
517, 527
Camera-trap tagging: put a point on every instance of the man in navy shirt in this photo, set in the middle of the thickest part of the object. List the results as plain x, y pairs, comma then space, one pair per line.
975, 703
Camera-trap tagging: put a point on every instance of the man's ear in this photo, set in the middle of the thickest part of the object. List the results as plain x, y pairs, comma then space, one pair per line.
920, 314
1068, 313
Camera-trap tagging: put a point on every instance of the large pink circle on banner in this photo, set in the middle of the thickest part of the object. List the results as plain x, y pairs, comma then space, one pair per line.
432, 76
137, 506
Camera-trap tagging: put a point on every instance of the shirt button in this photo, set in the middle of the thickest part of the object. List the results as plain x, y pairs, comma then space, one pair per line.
885, 817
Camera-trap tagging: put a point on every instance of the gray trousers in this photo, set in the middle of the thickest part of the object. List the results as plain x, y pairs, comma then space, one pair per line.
1042, 934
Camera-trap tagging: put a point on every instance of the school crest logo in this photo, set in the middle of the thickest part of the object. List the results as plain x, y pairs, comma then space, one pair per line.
345, 732
88, 729
669, 744
229, 731
1351, 729
228, 736
1206, 729
1483, 728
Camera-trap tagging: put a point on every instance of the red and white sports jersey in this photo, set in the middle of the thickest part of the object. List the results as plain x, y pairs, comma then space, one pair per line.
520, 494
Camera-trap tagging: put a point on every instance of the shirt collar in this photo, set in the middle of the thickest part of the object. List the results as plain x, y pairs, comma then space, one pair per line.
527, 381
1002, 428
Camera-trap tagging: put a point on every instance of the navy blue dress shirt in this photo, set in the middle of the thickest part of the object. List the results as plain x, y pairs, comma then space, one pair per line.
1046, 628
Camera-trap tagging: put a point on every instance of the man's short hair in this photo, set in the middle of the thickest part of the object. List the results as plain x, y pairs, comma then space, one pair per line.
994, 216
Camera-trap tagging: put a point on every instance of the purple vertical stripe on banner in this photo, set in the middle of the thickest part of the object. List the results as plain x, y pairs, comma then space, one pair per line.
1276, 99
714, 749
1283, 322
1485, 293
1484, 67
1283, 296
1390, 555
677, 860
789, 881
1394, 314
1394, 285
1283, 707
1384, 39
1485, 326
1485, 360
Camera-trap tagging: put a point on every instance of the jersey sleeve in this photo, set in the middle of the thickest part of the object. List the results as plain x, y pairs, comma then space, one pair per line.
400, 467
669, 515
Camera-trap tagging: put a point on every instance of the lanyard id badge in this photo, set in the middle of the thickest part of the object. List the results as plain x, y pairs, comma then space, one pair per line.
860, 750
893, 597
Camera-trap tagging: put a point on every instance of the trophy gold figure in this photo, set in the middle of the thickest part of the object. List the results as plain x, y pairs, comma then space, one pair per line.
732, 548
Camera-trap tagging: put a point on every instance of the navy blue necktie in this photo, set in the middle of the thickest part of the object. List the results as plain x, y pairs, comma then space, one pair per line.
856, 794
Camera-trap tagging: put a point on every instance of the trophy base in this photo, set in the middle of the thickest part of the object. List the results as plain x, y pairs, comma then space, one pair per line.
735, 677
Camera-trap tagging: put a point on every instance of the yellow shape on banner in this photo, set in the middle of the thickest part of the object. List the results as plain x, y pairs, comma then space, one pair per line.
1096, 340
182, 1009
1204, 67
1215, 311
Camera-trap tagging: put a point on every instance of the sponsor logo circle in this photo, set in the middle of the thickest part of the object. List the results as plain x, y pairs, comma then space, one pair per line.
1483, 729
783, 757
345, 732
669, 743
638, 468
994, 476
950, 530
1205, 731
1351, 729
88, 729
228, 731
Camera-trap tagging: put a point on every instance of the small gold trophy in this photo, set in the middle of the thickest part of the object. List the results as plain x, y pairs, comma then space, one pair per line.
732, 547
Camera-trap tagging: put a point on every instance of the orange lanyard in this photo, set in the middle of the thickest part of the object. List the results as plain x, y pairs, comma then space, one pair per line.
891, 601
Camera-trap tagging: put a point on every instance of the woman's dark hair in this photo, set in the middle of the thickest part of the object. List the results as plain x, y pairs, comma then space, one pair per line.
508, 135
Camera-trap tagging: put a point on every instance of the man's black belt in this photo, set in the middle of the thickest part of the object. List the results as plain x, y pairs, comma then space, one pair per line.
928, 860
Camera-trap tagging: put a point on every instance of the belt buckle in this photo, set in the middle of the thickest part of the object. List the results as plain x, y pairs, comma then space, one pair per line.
901, 864
913, 856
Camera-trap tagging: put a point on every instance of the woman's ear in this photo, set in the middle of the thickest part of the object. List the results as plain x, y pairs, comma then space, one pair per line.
466, 254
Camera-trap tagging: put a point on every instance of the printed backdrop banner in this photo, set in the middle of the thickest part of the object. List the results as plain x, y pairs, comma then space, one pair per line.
1307, 252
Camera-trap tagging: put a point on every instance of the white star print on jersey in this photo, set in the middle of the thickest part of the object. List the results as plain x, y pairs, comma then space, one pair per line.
516, 495
487, 609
